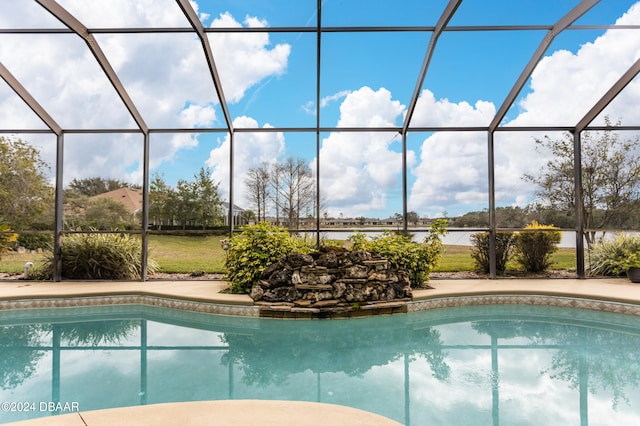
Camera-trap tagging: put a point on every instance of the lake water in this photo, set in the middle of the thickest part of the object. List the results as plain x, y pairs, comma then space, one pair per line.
453, 237
457, 237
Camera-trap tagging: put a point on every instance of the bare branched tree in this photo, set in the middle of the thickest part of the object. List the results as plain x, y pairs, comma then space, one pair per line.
293, 189
257, 182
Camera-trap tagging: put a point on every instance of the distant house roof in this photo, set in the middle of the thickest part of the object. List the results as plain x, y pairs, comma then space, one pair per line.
131, 198
236, 208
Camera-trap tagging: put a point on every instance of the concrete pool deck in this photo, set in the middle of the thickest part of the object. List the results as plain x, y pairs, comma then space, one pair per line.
618, 290
227, 413
597, 293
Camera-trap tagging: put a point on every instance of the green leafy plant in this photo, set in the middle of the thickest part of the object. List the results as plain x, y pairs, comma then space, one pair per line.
35, 241
615, 256
98, 256
480, 251
418, 259
631, 261
259, 246
535, 245
358, 241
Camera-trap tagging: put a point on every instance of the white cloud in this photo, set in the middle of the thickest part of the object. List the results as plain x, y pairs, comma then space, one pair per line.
114, 156
367, 108
565, 85
310, 106
22, 14
358, 170
165, 74
336, 96
197, 115
452, 170
165, 146
442, 112
250, 150
66, 81
245, 59
125, 13
167, 77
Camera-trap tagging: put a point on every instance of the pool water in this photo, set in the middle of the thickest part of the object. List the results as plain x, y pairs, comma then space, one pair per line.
487, 365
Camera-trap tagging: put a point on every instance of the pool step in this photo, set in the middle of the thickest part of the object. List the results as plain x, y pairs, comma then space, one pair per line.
326, 309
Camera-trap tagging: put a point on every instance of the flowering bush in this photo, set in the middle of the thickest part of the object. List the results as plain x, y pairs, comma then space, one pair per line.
6, 238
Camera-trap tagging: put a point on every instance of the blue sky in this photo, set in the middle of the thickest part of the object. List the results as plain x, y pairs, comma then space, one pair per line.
366, 80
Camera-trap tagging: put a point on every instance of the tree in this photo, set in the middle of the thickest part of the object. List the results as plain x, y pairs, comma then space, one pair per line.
184, 203
249, 216
293, 189
610, 177
413, 217
104, 213
207, 206
97, 185
257, 182
25, 195
17, 364
195, 202
159, 197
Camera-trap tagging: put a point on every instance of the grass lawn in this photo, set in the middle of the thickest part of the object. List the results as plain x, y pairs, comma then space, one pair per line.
458, 258
13, 263
174, 254
179, 254
187, 254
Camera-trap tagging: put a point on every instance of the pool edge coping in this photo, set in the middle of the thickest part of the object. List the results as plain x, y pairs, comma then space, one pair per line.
612, 295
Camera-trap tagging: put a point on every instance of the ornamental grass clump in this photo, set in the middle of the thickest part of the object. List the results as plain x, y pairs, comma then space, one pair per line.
259, 246
99, 256
535, 245
613, 257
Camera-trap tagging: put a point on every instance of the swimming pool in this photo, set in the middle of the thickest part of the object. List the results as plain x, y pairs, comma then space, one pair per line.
482, 365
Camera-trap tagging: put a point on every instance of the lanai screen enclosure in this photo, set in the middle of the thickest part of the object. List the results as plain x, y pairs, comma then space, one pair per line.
394, 106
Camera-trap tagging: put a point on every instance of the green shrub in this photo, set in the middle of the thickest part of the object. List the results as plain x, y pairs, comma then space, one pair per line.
534, 247
610, 257
359, 241
418, 259
480, 250
98, 257
35, 241
259, 246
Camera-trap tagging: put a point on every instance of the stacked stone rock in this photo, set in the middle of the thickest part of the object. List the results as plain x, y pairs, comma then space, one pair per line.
332, 277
